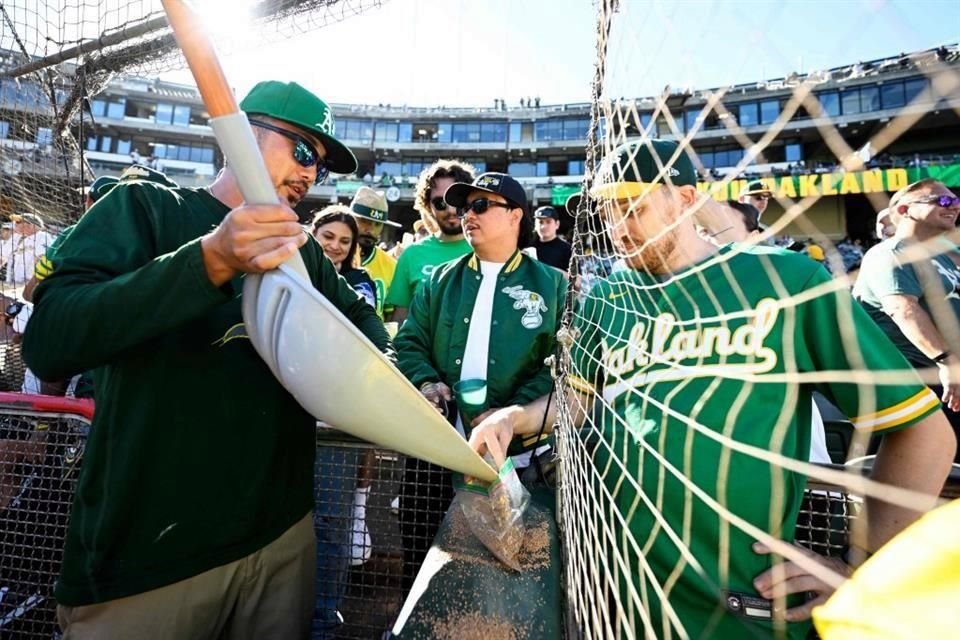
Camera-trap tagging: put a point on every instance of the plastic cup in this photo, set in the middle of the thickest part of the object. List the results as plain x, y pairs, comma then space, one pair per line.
471, 394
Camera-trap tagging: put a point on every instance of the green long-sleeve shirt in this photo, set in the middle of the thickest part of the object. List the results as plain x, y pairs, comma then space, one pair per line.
197, 456
527, 309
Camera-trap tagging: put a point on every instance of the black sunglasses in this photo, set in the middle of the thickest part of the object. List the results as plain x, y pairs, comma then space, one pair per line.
303, 151
947, 202
438, 202
482, 205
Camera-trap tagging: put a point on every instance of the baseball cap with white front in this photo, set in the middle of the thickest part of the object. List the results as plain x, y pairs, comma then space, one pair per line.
636, 168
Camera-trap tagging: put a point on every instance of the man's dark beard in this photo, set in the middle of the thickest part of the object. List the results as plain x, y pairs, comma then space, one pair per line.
452, 230
367, 244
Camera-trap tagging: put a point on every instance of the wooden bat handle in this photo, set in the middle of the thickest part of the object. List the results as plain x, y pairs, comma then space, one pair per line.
201, 57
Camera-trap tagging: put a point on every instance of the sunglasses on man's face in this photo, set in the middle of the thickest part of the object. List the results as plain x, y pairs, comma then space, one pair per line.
947, 202
303, 151
438, 203
761, 196
482, 205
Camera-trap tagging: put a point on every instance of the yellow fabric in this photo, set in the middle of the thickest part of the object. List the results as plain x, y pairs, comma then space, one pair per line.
380, 266
623, 190
909, 590
816, 252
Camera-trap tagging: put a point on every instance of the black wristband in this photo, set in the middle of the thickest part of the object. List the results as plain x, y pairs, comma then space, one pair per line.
943, 356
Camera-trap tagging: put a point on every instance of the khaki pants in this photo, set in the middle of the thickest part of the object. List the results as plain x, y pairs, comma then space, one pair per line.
268, 594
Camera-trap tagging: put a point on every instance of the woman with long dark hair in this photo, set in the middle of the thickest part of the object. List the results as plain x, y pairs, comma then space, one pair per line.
337, 232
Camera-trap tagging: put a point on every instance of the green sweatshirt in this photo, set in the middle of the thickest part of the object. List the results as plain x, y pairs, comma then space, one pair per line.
197, 456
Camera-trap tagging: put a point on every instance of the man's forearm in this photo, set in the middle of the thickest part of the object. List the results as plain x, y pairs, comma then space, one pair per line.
918, 328
528, 418
917, 458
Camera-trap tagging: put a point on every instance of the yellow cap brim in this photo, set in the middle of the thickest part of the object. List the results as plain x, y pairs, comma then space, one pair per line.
623, 190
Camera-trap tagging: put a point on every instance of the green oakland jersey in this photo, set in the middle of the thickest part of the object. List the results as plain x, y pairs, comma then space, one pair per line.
416, 265
715, 354
886, 271
380, 266
197, 455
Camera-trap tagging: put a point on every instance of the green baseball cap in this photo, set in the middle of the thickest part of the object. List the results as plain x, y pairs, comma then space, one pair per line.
636, 168
756, 187
141, 172
100, 187
290, 102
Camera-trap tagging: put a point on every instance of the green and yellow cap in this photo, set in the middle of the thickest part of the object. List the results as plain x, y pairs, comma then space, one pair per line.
371, 205
290, 102
636, 168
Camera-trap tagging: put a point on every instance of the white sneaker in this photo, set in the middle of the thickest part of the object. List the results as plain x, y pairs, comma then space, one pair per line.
361, 546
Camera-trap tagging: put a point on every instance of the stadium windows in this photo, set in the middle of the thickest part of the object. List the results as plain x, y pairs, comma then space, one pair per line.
105, 143
575, 167
181, 115
892, 95
116, 109
793, 152
196, 154
123, 147
386, 132
466, 132
522, 169
850, 101
645, 120
548, 130
358, 130
4, 129
516, 129
159, 150
914, 87
44, 136
445, 132
690, 119
493, 132
769, 111
747, 114
405, 132
172, 150
98, 108
207, 155
575, 129
869, 99
388, 168
164, 114
706, 158
830, 103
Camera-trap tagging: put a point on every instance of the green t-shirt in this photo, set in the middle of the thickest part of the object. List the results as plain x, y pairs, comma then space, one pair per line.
197, 456
662, 353
416, 265
885, 271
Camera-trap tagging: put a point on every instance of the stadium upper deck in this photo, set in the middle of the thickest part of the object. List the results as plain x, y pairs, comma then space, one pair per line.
163, 123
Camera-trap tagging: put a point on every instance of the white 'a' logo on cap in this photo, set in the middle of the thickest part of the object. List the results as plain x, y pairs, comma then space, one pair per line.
326, 125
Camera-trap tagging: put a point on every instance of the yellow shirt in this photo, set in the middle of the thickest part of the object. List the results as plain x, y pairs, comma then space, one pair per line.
380, 267
908, 590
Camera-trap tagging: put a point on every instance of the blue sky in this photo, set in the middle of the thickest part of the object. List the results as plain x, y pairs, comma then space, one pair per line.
468, 52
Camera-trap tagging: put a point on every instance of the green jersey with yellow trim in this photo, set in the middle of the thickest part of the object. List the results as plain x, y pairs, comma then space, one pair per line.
683, 364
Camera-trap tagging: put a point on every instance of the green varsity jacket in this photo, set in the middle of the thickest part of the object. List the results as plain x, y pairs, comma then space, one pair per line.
527, 308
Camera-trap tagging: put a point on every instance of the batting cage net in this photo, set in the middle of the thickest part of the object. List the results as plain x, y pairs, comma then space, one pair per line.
55, 57
708, 380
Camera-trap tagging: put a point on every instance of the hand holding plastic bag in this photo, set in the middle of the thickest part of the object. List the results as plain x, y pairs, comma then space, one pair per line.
494, 513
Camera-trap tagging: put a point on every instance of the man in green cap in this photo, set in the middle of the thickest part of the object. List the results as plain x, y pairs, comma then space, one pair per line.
192, 515
696, 363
